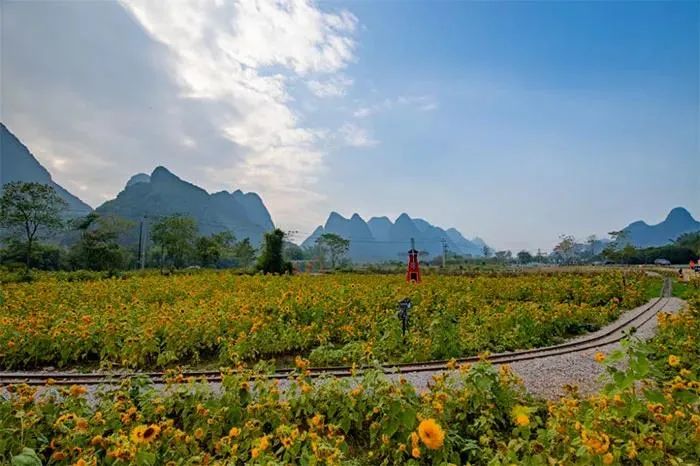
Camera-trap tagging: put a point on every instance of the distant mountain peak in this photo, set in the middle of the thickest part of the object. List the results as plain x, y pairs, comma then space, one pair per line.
380, 239
17, 163
163, 193
678, 222
138, 178
679, 213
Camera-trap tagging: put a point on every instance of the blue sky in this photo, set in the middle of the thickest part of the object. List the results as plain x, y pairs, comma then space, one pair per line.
513, 121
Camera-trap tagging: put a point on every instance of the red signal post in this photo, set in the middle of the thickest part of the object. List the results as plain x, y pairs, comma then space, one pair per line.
413, 271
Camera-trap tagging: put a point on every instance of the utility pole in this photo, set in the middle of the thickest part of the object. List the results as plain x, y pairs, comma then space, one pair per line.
142, 245
444, 252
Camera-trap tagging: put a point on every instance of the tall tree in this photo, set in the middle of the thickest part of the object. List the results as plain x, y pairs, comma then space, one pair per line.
98, 247
524, 257
211, 249
335, 245
28, 210
271, 258
566, 248
244, 253
176, 236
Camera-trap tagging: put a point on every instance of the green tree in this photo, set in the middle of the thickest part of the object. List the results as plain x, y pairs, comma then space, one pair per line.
271, 258
29, 210
98, 247
243, 253
524, 257
336, 246
565, 250
176, 236
690, 241
211, 249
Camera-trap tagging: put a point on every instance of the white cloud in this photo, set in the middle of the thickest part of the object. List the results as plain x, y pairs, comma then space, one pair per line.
355, 136
332, 87
227, 51
203, 87
422, 103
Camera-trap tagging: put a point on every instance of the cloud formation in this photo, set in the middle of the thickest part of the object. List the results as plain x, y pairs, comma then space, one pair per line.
204, 88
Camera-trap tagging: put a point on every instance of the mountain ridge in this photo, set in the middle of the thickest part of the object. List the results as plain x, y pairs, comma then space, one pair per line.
380, 239
164, 193
18, 163
677, 222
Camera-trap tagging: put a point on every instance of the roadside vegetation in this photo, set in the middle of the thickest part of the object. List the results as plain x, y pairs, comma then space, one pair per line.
648, 413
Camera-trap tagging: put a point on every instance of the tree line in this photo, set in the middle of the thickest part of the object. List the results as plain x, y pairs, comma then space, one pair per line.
35, 233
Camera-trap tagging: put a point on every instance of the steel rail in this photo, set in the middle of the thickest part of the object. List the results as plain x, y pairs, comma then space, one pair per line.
610, 336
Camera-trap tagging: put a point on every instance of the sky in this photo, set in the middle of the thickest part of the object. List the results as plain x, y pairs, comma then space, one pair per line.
513, 121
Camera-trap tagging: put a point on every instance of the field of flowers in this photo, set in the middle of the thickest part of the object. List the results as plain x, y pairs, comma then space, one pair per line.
220, 318
648, 414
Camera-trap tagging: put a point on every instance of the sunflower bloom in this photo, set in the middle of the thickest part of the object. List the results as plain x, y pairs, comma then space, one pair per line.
431, 434
151, 433
137, 434
673, 360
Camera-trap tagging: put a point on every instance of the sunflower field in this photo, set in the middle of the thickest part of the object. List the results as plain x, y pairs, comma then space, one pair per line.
219, 318
647, 414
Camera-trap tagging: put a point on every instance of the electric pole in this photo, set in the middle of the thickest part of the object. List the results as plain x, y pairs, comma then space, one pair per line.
142, 244
444, 252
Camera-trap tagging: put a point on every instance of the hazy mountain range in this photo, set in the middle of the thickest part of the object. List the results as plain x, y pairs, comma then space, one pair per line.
148, 196
677, 222
380, 239
17, 163
162, 193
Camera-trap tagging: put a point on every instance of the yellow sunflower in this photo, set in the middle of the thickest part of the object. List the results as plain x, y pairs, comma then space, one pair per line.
431, 434
151, 432
137, 434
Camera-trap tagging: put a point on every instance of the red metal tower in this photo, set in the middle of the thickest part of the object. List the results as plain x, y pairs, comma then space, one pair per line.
413, 271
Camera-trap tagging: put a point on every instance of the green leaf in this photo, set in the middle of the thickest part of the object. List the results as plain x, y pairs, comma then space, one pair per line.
27, 458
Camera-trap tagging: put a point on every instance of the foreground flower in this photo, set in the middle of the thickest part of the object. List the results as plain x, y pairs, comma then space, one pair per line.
431, 434
599, 357
520, 416
151, 433
673, 360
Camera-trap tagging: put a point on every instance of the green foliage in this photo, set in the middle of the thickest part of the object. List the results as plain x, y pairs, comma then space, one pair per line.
98, 247
334, 245
43, 256
271, 258
212, 249
243, 253
690, 241
525, 257
175, 236
29, 210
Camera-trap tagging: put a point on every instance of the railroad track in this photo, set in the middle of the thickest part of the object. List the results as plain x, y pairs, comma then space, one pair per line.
612, 335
